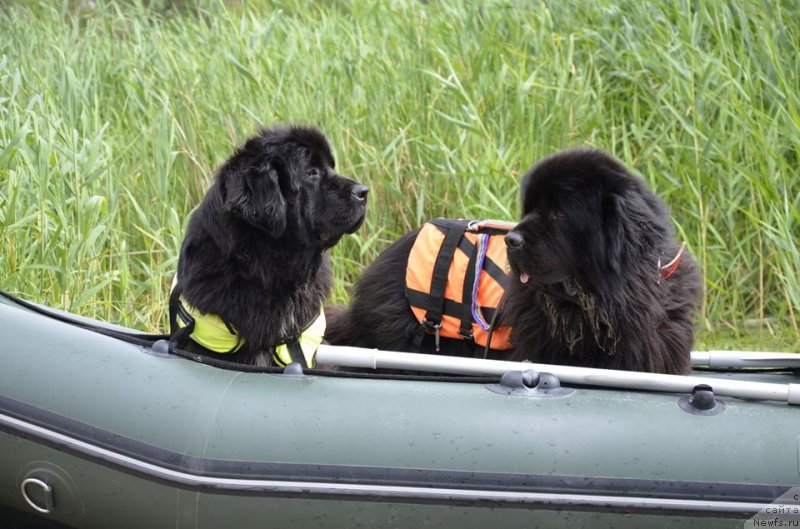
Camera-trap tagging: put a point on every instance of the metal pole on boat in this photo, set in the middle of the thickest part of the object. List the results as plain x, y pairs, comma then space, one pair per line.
374, 359
744, 359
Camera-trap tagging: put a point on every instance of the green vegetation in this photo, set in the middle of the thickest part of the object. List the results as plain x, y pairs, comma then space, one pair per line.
113, 116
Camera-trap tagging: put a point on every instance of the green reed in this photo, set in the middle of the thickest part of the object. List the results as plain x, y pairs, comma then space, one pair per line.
114, 114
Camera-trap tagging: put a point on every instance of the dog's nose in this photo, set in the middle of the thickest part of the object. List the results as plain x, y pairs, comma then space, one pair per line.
514, 239
360, 192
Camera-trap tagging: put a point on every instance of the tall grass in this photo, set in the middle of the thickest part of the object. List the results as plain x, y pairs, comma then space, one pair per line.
113, 116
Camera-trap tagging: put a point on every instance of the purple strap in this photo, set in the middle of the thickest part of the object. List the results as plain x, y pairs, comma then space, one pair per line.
483, 246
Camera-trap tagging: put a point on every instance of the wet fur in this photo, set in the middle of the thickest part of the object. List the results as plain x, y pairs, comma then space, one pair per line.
591, 238
255, 248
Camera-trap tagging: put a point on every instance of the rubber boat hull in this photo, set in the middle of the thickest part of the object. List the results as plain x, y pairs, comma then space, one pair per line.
99, 432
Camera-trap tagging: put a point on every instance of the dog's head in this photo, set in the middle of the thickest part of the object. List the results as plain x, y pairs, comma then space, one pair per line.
283, 183
586, 223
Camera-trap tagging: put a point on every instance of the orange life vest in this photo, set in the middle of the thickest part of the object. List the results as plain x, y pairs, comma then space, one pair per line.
455, 280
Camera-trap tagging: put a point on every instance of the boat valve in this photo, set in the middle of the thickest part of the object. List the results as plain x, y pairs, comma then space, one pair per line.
529, 383
702, 401
160, 348
293, 370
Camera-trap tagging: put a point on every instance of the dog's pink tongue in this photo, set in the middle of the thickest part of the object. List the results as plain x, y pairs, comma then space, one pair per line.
523, 277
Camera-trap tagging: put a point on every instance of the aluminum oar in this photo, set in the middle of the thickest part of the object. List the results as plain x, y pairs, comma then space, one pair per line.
744, 359
375, 359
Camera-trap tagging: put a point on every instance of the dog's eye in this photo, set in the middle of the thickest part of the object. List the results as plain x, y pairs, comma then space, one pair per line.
314, 174
557, 214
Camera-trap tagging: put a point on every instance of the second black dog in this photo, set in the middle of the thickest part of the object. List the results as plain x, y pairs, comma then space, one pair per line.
597, 278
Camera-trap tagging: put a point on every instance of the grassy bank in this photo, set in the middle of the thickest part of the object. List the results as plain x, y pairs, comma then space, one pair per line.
113, 116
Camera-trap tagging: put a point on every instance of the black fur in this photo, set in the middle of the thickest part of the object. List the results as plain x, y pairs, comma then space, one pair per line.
590, 240
255, 248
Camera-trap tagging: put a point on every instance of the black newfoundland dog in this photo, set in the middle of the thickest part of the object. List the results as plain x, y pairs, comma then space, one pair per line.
597, 278
253, 270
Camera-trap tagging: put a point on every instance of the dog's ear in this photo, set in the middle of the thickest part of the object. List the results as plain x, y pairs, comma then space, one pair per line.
635, 224
615, 232
254, 195
525, 200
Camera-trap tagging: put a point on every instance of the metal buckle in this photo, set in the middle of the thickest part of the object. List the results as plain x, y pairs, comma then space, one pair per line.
433, 328
467, 334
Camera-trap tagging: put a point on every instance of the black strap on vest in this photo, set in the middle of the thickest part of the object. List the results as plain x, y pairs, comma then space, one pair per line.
465, 328
441, 268
296, 353
432, 322
451, 308
295, 349
178, 335
493, 317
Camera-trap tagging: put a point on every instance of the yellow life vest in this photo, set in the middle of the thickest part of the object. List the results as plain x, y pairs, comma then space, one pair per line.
215, 334
456, 277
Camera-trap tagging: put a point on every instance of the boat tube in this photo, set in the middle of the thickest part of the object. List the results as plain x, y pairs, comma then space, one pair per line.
103, 426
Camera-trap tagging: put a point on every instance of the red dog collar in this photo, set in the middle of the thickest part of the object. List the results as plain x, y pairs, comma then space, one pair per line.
669, 268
